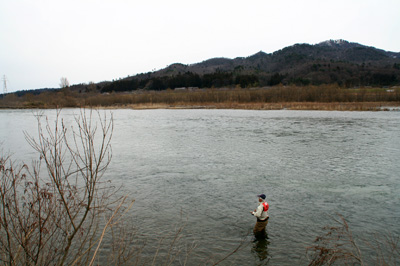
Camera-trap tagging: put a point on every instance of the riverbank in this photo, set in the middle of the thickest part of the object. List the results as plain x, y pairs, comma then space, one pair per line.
336, 106
317, 106
324, 97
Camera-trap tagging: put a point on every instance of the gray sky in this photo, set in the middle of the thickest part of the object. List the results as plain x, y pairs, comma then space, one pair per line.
95, 40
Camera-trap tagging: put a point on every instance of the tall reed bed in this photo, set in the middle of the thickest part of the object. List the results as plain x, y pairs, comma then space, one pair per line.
218, 97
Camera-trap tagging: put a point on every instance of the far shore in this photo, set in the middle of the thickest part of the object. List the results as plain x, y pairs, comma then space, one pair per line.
323, 97
335, 106
317, 106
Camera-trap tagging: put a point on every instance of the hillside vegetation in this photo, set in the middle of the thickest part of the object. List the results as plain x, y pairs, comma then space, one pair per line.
332, 62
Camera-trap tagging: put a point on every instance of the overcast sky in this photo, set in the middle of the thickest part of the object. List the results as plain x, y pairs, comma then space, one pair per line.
95, 40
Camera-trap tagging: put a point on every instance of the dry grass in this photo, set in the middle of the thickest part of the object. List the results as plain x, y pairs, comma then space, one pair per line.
326, 97
336, 106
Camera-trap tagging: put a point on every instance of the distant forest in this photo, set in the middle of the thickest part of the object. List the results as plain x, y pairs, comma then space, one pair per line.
185, 80
221, 79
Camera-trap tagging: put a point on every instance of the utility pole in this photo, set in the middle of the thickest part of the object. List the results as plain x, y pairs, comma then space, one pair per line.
5, 84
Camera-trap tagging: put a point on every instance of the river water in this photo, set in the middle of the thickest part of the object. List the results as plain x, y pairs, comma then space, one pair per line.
205, 168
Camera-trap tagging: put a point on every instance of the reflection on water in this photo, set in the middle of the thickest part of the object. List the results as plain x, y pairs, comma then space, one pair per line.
260, 250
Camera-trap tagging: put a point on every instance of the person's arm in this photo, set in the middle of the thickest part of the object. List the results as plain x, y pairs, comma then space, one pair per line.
258, 211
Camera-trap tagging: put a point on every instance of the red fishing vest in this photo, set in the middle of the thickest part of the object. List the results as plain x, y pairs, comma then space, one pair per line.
266, 206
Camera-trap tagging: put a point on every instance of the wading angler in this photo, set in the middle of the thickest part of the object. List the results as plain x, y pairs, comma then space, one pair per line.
262, 217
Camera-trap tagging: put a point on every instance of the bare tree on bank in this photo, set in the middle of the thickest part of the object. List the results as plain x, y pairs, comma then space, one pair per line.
60, 216
64, 83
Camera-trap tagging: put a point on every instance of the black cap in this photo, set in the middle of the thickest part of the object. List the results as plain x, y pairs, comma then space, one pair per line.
261, 196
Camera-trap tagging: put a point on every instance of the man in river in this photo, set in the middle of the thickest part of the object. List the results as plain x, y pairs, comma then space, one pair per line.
262, 216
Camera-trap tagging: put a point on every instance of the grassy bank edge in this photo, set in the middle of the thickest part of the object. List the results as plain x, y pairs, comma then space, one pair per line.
335, 106
324, 97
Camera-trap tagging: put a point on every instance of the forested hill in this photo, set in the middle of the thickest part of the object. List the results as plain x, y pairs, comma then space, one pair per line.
331, 62
338, 62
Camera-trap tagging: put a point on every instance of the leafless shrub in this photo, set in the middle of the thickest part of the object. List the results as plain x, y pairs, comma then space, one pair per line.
338, 245
386, 249
59, 217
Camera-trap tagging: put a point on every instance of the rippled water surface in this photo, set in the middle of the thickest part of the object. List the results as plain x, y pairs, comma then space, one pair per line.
207, 166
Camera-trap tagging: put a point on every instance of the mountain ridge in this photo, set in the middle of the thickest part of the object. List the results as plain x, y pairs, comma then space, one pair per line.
333, 61
347, 64
328, 50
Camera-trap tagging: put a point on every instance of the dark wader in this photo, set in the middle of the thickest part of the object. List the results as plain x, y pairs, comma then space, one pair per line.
259, 228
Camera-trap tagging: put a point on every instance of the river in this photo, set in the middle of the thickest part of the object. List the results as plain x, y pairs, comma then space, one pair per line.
207, 166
